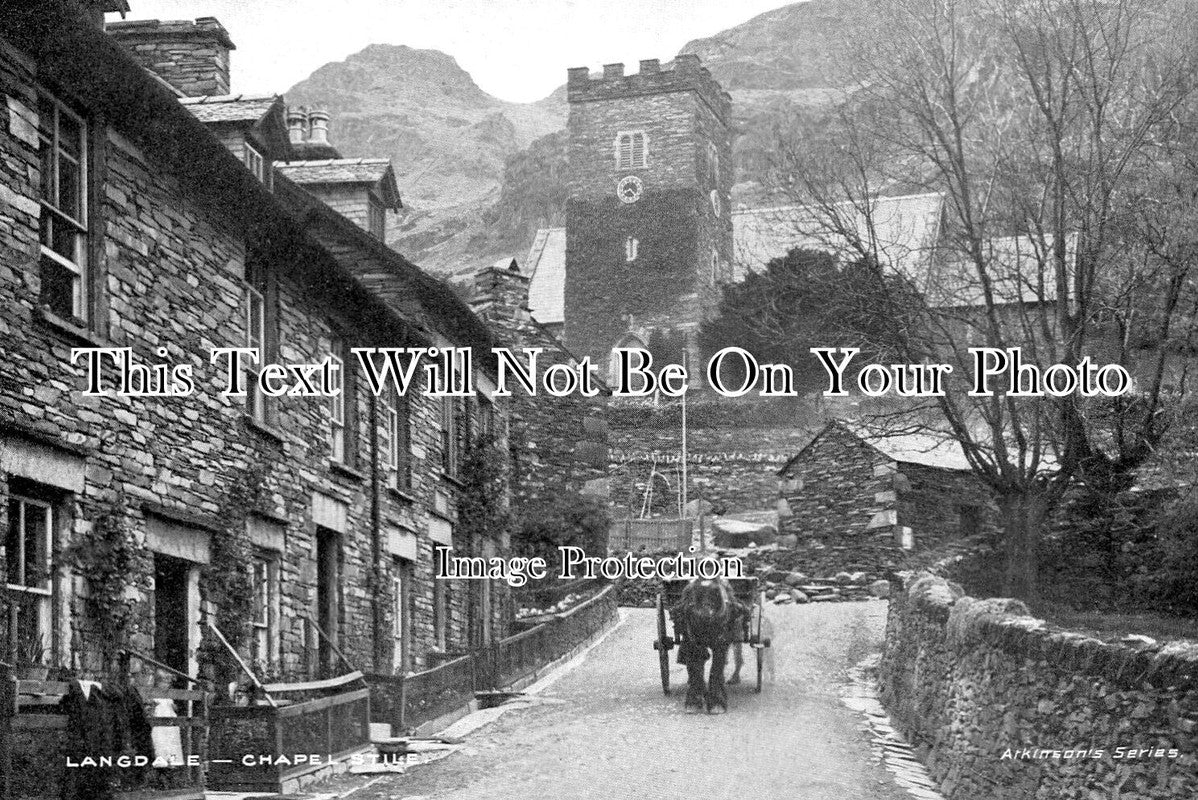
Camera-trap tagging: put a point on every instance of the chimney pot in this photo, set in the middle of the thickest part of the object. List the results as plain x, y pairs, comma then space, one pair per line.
318, 127
297, 124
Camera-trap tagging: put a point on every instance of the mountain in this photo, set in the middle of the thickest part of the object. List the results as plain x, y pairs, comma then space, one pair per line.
479, 175
449, 140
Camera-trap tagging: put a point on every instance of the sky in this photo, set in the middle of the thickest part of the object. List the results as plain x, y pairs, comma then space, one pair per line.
516, 50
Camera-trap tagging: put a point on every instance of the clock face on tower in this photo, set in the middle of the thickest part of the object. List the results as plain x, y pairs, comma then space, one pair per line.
629, 189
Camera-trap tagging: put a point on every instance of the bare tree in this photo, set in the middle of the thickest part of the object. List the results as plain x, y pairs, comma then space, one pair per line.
1056, 134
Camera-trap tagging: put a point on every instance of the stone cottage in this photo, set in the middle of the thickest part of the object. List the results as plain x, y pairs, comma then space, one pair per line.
872, 496
141, 518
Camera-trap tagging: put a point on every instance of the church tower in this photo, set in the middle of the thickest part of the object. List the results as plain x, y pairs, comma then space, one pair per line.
648, 219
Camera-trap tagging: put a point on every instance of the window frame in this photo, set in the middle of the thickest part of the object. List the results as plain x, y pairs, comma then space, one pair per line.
264, 640
632, 247
256, 162
338, 437
628, 155
398, 439
41, 596
256, 295
51, 212
450, 436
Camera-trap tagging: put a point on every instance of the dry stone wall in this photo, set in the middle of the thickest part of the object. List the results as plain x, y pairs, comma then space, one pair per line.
1005, 708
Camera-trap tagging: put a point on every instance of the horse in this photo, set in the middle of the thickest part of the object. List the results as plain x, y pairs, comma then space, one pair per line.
708, 618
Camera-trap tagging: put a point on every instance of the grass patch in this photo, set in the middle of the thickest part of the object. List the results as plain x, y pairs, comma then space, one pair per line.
1113, 626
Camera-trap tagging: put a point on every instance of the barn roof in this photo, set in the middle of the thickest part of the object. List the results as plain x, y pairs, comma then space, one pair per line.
929, 449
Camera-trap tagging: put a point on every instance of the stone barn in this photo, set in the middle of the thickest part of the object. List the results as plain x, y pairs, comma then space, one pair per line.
870, 497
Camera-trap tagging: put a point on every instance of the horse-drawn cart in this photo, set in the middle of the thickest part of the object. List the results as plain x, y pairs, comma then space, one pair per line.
745, 590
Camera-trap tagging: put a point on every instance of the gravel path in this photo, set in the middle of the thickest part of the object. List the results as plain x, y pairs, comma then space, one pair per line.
605, 731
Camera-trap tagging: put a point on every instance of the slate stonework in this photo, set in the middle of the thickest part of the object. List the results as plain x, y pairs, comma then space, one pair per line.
847, 495
672, 283
171, 277
966, 680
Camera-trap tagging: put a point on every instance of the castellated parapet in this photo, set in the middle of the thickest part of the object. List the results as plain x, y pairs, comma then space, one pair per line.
685, 74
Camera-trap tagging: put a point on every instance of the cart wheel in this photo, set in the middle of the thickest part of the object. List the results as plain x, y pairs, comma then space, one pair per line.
663, 645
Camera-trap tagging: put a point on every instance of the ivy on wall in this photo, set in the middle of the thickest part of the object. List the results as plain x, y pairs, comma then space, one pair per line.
107, 558
227, 580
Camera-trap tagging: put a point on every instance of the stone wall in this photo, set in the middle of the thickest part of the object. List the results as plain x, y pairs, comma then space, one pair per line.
169, 273
1006, 708
849, 498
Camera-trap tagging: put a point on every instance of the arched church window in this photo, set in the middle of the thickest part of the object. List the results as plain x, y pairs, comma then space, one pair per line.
632, 150
631, 248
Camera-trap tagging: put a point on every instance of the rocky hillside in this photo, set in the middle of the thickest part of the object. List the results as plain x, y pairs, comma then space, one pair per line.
480, 175
448, 138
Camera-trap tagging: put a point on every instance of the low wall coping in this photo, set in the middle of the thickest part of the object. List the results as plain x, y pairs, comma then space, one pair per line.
1168, 664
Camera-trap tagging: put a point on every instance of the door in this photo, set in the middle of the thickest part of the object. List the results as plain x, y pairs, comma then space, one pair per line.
172, 622
328, 584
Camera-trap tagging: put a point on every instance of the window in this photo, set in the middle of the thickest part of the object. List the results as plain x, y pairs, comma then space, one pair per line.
28, 546
631, 150
337, 404
264, 592
63, 265
256, 164
258, 406
397, 439
376, 219
631, 246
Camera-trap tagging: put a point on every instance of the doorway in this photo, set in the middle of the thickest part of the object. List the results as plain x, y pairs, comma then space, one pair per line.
172, 622
328, 588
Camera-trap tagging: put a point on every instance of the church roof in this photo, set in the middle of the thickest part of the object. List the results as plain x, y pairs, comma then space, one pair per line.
547, 265
905, 230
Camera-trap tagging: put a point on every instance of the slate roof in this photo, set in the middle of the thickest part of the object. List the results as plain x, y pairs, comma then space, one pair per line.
232, 108
368, 171
928, 449
905, 230
547, 265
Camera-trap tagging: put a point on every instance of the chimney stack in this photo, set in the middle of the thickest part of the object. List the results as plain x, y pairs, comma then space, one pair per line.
318, 126
191, 56
501, 294
297, 125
